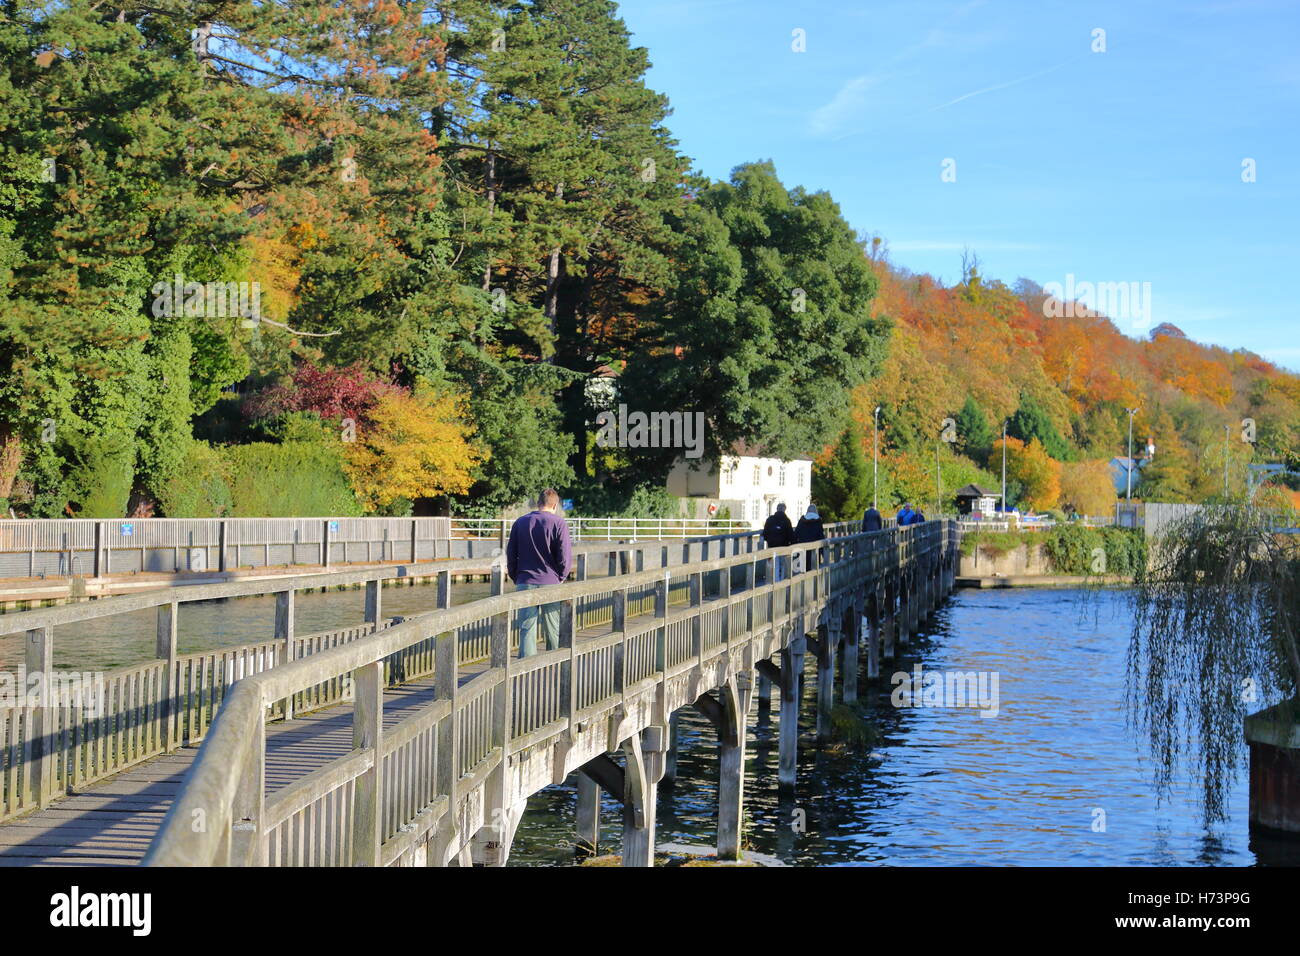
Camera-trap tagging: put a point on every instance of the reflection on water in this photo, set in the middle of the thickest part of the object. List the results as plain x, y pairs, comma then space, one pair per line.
1032, 786
203, 626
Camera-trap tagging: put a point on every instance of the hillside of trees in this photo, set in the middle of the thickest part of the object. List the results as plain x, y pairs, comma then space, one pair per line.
454, 221
980, 353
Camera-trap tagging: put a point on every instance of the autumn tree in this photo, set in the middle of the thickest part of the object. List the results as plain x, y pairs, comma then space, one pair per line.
1087, 487
417, 446
1036, 473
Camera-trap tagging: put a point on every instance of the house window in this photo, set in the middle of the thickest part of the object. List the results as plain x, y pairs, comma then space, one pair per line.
758, 473
753, 510
780, 477
800, 477
726, 473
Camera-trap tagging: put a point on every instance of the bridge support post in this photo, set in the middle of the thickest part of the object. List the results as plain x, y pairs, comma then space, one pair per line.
639, 797
889, 619
727, 714
670, 755
872, 623
903, 616
849, 669
588, 817
827, 639
788, 747
764, 697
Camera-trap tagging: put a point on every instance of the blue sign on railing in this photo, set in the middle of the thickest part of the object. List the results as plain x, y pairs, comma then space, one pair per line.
334, 527
128, 530
567, 504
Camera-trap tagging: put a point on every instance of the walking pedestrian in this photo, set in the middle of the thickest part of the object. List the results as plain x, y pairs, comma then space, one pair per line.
809, 529
539, 553
778, 533
871, 520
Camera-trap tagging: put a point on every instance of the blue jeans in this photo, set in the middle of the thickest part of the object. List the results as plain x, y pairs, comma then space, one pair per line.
528, 624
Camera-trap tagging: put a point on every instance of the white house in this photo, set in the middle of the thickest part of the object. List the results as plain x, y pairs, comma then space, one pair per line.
747, 483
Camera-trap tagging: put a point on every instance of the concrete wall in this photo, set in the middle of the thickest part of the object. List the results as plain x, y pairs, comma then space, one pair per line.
1021, 561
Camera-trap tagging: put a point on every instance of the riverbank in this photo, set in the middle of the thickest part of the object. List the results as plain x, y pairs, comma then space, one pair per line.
1044, 580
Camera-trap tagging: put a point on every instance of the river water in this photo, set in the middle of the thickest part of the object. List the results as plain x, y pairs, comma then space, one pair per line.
1053, 779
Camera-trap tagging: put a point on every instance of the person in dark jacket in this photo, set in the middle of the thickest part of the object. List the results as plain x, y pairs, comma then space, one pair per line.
777, 530
778, 533
918, 516
539, 552
809, 529
871, 519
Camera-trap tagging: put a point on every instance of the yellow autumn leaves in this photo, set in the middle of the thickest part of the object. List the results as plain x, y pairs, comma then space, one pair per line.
416, 445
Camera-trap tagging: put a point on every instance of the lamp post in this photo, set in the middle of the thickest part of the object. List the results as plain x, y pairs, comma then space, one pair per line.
938, 492
1004, 468
1128, 492
875, 456
1227, 430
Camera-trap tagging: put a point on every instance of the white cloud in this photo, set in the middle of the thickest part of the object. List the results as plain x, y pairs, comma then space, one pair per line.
831, 118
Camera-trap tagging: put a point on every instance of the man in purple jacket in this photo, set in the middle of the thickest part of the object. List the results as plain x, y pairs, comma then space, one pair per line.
539, 553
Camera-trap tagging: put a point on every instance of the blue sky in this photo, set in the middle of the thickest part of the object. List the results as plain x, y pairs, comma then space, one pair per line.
1115, 166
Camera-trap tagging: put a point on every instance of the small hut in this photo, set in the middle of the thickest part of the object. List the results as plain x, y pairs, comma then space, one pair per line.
974, 500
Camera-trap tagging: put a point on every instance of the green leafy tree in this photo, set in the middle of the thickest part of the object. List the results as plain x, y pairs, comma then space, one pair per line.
841, 488
974, 436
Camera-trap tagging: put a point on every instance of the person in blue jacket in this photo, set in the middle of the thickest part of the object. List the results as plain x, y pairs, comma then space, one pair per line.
904, 516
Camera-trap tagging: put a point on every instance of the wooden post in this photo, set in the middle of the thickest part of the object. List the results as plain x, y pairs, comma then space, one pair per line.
165, 650
221, 547
444, 590
873, 632
374, 604
670, 756
731, 772
284, 626
791, 669
325, 545
446, 679
639, 795
764, 698
248, 846
849, 669
588, 816
827, 638
696, 591
367, 734
40, 660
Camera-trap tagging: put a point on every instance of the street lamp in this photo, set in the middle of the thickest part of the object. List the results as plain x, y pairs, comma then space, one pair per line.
875, 456
1128, 492
1004, 467
1227, 430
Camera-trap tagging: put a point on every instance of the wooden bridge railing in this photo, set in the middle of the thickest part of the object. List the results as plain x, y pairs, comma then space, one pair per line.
397, 785
75, 734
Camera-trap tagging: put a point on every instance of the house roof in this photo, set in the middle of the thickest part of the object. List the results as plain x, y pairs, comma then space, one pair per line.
975, 491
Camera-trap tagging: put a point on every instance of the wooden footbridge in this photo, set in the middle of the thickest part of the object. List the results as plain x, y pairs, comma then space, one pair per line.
419, 741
